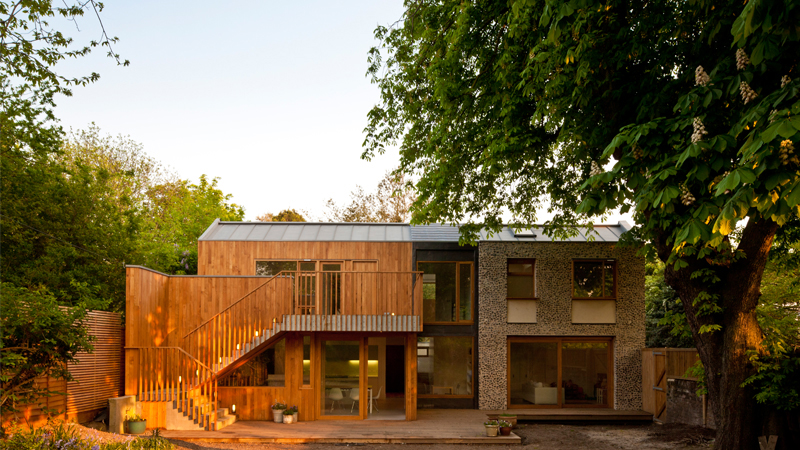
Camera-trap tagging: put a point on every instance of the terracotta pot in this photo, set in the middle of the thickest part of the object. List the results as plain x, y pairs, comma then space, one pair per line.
505, 431
510, 419
491, 430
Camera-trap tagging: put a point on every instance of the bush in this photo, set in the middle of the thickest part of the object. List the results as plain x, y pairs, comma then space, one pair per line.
62, 437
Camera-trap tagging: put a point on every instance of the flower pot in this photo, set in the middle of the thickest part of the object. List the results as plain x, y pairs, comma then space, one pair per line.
505, 431
510, 419
277, 414
491, 430
296, 417
137, 427
288, 418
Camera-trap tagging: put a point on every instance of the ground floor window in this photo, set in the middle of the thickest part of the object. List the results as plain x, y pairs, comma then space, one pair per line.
268, 368
444, 366
554, 372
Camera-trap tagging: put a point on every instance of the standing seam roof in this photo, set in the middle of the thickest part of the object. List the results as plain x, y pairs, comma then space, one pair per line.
384, 232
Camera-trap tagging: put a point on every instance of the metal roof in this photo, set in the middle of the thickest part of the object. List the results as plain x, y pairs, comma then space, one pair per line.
386, 232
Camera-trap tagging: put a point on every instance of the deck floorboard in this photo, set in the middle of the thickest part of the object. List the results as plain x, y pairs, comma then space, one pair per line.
576, 414
431, 427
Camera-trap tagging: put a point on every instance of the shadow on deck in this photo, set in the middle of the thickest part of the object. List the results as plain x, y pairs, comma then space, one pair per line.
575, 415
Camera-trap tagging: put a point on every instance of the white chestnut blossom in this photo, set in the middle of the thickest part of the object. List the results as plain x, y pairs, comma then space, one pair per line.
747, 92
699, 130
785, 80
596, 170
741, 59
686, 196
701, 78
786, 152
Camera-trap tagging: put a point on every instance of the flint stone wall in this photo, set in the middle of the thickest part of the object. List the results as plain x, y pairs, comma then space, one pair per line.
554, 316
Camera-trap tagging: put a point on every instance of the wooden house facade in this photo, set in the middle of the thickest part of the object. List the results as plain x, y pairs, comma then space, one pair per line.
367, 322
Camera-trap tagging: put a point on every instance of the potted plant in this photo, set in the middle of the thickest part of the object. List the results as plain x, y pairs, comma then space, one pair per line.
289, 415
136, 423
277, 411
510, 418
491, 428
505, 427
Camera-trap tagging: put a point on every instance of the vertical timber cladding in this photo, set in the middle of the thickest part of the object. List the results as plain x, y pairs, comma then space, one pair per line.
554, 313
238, 257
452, 252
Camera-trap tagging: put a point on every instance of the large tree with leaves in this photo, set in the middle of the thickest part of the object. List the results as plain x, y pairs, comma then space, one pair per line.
683, 112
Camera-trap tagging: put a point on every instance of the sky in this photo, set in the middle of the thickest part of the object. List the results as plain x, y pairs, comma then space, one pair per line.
271, 97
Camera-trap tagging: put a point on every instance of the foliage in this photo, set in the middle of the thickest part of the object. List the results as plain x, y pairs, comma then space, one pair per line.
685, 114
291, 410
491, 423
39, 338
60, 436
63, 222
287, 215
279, 406
176, 214
390, 203
665, 322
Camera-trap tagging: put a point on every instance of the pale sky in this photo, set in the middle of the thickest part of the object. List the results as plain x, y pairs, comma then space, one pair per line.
271, 97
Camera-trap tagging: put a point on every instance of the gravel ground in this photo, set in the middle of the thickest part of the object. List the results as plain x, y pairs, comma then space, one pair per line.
536, 436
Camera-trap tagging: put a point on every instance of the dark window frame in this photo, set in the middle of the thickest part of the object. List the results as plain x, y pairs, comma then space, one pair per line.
603, 262
532, 274
458, 291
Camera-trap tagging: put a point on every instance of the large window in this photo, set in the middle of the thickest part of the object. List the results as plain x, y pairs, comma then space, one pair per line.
555, 372
268, 368
444, 366
594, 279
446, 292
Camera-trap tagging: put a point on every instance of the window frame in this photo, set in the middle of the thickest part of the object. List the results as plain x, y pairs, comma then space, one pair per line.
458, 292
611, 376
603, 262
532, 274
472, 367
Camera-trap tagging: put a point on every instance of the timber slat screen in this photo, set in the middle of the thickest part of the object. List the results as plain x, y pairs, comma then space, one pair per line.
658, 365
97, 374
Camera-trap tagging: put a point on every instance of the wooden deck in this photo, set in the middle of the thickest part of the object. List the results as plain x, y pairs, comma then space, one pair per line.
576, 414
432, 427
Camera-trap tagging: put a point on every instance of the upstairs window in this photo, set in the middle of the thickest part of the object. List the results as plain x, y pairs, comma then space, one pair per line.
271, 268
594, 279
446, 292
521, 281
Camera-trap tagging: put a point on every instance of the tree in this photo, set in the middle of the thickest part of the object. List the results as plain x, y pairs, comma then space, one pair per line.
665, 317
176, 214
287, 215
390, 203
39, 338
684, 113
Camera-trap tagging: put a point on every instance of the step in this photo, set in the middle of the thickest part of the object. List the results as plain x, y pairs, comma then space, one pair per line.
224, 419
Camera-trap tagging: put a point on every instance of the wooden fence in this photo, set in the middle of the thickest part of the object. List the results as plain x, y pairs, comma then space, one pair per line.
658, 364
97, 377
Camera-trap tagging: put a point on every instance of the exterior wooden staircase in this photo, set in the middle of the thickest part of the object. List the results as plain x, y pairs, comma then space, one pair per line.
187, 376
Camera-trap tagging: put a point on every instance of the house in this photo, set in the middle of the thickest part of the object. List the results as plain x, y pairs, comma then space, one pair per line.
373, 321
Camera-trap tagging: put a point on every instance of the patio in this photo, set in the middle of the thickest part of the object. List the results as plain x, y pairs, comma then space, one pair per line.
431, 427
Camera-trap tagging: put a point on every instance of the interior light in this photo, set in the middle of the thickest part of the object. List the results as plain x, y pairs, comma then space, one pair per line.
179, 378
256, 333
237, 345
197, 372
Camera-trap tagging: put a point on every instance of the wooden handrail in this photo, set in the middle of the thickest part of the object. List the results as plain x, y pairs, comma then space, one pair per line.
234, 303
278, 275
171, 348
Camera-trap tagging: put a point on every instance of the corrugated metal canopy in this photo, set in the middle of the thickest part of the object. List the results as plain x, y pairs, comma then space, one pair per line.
387, 232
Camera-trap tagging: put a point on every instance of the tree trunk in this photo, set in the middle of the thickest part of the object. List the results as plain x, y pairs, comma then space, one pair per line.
724, 353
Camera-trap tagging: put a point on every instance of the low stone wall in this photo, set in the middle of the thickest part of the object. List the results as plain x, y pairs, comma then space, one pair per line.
685, 406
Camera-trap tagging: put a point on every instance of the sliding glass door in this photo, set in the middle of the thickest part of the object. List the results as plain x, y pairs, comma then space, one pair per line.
560, 372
